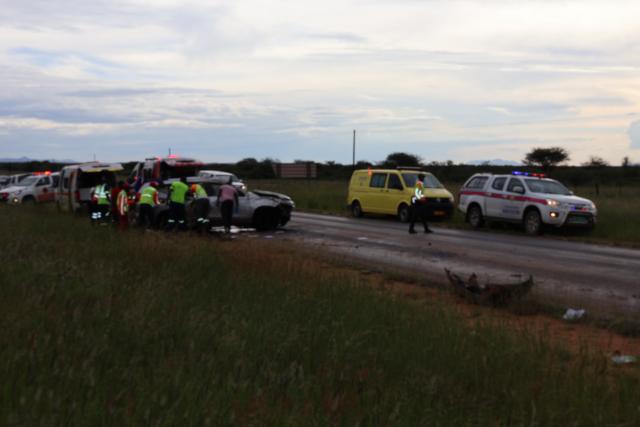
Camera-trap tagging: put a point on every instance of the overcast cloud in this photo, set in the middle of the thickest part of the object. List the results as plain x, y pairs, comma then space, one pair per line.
224, 80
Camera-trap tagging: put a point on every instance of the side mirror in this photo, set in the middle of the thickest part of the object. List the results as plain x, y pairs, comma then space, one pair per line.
518, 189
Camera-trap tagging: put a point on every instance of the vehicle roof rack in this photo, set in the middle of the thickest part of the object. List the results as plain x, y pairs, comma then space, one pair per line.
411, 168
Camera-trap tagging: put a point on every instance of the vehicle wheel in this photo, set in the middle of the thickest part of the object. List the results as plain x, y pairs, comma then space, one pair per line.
266, 219
356, 209
532, 222
474, 216
403, 213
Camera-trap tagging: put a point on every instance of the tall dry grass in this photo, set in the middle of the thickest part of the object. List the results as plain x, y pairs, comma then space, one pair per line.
101, 327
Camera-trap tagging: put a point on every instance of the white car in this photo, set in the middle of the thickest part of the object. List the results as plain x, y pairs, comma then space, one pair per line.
37, 188
222, 177
524, 198
11, 180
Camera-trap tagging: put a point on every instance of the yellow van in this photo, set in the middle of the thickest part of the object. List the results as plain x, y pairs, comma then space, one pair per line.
389, 191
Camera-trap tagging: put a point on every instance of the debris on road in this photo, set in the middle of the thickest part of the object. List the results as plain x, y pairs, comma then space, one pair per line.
622, 359
572, 314
489, 293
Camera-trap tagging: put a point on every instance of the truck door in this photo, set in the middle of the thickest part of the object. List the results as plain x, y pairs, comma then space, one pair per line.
496, 197
43, 190
513, 201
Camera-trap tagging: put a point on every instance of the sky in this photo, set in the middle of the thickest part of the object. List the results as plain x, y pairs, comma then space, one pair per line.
220, 81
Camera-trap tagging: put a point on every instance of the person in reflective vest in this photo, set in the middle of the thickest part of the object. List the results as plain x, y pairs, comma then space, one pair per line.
148, 200
201, 207
177, 198
100, 201
122, 204
418, 206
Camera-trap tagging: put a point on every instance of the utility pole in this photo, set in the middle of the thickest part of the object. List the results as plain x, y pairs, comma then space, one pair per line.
354, 149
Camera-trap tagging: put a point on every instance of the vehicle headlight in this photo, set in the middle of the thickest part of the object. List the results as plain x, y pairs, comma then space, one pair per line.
553, 203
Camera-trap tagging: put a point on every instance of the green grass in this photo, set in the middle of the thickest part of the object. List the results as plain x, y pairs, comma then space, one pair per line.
100, 327
618, 207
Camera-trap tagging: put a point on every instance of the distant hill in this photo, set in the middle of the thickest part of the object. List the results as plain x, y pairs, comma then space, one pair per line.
494, 162
24, 159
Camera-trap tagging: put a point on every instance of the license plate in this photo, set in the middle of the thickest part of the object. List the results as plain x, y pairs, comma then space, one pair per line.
439, 213
578, 220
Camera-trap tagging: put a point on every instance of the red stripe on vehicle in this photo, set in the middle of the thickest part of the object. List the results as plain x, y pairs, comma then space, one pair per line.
504, 196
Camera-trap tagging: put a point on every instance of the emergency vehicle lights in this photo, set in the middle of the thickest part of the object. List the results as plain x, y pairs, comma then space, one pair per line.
535, 175
42, 173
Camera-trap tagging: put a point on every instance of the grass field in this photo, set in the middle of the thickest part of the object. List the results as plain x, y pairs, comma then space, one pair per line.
101, 327
618, 207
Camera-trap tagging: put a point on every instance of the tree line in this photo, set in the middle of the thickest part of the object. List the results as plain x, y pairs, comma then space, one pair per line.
548, 160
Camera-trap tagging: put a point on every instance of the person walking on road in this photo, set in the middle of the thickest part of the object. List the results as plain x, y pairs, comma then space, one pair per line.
148, 200
227, 201
177, 198
418, 206
201, 207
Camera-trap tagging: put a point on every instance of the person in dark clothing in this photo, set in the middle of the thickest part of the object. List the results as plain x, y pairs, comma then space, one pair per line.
418, 207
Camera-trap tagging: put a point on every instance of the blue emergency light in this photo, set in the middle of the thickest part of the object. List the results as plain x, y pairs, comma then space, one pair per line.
535, 175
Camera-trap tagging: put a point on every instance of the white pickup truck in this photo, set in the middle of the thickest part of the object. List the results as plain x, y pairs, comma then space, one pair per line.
37, 188
524, 198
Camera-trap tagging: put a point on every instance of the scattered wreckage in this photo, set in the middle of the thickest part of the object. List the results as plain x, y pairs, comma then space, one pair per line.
489, 293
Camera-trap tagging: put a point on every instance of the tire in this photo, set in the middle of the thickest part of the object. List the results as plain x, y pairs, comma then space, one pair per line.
403, 213
356, 209
266, 219
474, 216
532, 222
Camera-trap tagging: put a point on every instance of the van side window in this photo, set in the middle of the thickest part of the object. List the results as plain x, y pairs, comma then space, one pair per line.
56, 179
378, 180
498, 183
477, 182
513, 183
394, 182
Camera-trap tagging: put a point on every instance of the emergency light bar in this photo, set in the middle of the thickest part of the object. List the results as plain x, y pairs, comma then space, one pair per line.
535, 175
42, 173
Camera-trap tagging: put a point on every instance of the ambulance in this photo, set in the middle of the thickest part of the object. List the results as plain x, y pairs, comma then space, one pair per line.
389, 191
76, 182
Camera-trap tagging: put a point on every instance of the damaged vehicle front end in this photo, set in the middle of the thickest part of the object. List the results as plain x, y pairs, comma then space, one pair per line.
262, 210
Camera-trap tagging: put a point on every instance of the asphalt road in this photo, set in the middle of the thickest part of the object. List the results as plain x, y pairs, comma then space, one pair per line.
602, 279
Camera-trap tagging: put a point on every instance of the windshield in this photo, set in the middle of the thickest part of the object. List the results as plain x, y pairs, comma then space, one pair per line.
430, 181
546, 187
27, 181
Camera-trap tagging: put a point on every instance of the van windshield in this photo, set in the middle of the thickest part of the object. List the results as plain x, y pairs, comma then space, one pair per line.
430, 181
